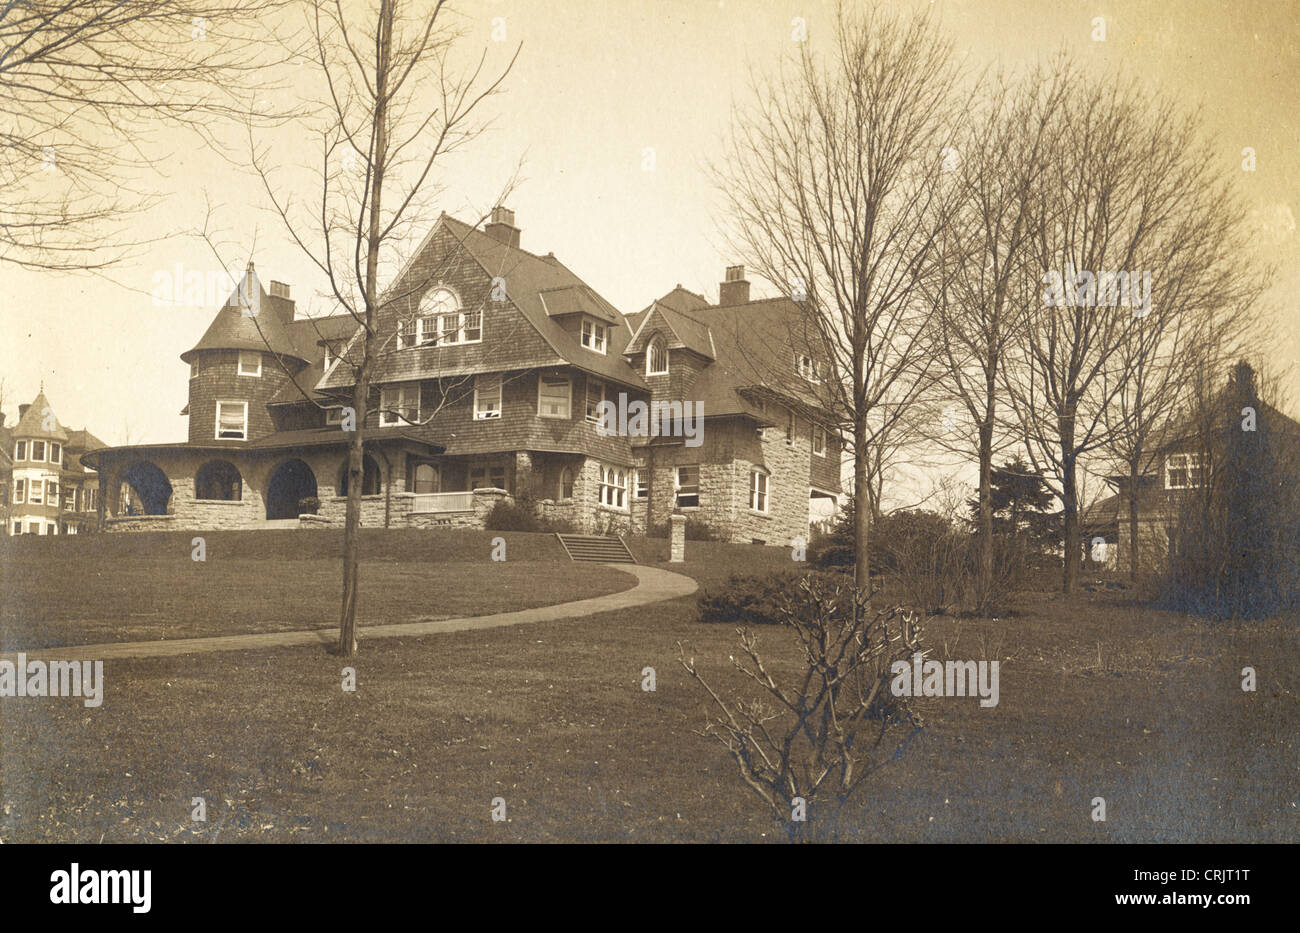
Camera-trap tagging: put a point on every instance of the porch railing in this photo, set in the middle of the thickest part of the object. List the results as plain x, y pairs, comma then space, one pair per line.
443, 502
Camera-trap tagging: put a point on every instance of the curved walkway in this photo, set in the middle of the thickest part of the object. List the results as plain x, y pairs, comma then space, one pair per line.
652, 586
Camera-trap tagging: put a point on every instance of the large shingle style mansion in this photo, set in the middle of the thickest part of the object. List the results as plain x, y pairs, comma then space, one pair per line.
492, 363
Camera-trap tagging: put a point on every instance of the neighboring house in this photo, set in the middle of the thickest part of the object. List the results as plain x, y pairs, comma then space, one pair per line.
1181, 465
46, 487
492, 364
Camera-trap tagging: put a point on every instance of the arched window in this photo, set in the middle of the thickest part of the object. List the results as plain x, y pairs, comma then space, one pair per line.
369, 478
427, 478
218, 480
656, 357
566, 483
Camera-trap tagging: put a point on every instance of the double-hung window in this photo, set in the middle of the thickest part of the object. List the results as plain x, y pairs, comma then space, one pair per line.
819, 440
250, 363
20, 490
641, 483
687, 487
594, 335
595, 395
56, 453
232, 421
758, 490
38, 450
399, 403
554, 396
1183, 471
20, 450
34, 495
487, 396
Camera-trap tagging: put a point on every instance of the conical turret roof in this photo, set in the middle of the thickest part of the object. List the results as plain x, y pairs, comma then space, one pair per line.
34, 423
250, 320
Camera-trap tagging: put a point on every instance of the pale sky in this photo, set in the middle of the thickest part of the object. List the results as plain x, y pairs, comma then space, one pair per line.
596, 83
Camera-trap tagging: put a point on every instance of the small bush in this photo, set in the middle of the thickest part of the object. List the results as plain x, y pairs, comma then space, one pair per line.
510, 516
757, 600
308, 506
515, 516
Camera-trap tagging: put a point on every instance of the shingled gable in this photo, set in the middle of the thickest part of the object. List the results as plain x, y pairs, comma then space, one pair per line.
527, 278
261, 322
683, 332
750, 343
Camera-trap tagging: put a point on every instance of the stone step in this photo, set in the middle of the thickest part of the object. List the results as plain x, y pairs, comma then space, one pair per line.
595, 548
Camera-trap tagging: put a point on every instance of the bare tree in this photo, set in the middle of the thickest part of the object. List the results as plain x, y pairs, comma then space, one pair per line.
1117, 200
85, 84
984, 291
394, 105
832, 184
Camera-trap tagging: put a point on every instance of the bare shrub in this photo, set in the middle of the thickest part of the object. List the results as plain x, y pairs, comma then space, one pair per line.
814, 736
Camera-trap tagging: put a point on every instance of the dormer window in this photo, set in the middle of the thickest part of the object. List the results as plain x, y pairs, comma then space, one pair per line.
807, 367
594, 335
656, 357
250, 363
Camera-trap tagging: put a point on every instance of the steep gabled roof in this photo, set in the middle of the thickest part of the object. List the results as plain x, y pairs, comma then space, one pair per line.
751, 346
684, 331
308, 334
259, 322
532, 284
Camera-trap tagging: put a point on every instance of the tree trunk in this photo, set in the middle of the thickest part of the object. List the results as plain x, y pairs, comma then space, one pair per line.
861, 507
985, 588
1133, 521
1070, 526
361, 392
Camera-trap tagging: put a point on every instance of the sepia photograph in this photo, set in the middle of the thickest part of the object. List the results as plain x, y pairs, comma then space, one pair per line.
650, 421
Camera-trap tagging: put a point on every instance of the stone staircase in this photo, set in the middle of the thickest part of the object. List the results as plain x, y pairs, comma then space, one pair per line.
607, 550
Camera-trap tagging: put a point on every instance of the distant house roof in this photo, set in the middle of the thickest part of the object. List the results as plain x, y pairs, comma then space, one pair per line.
33, 421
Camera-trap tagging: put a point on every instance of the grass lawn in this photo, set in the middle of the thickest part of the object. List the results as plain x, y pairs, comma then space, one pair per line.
111, 591
1097, 698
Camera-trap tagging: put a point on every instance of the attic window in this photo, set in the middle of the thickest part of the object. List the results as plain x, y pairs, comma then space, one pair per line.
594, 335
807, 367
250, 363
441, 322
656, 357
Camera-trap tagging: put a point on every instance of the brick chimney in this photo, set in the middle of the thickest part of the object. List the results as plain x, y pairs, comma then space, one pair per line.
735, 290
502, 226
